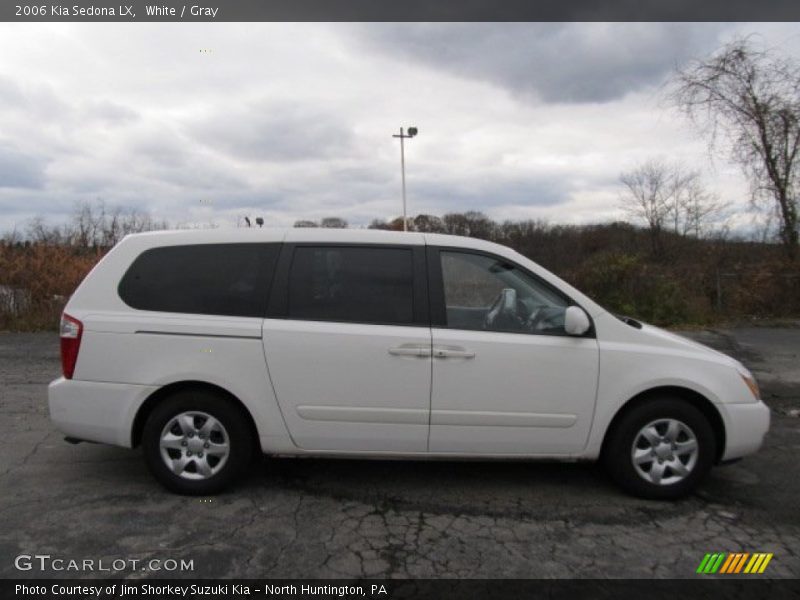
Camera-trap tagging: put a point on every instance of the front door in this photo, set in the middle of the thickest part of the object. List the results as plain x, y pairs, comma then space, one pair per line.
507, 379
349, 354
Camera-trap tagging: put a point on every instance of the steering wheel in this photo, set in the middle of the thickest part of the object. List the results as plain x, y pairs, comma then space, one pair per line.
503, 312
544, 318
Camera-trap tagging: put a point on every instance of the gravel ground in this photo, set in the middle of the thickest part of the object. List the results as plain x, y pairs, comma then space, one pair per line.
339, 518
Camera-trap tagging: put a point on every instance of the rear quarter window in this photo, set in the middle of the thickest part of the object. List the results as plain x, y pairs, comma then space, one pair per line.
212, 279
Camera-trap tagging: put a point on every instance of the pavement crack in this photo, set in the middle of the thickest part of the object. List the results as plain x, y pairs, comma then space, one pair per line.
27, 456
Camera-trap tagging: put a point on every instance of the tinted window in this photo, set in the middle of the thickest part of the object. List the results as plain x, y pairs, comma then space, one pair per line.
487, 293
361, 285
213, 279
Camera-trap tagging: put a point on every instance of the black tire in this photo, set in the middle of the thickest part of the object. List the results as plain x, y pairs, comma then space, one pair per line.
241, 442
617, 453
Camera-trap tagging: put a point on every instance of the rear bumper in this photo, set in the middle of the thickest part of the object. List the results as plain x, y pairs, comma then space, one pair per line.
96, 412
745, 428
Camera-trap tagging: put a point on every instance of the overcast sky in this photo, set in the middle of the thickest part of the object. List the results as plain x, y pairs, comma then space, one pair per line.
213, 121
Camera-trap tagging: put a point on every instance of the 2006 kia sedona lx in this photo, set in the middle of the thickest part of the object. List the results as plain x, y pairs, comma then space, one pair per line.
204, 346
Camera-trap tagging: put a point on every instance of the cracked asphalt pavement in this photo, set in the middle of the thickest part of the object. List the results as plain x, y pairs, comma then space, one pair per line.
355, 518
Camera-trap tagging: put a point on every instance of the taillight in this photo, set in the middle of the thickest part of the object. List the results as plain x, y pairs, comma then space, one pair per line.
71, 331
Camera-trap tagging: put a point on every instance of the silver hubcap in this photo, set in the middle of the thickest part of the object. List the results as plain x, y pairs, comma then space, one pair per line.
664, 451
194, 445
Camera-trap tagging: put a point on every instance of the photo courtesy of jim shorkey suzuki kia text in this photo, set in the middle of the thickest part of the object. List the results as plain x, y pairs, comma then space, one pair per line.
127, 11
372, 590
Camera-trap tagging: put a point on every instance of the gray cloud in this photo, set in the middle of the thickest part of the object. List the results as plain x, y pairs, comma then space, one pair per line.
32, 99
160, 150
516, 120
10, 93
20, 170
275, 132
483, 193
573, 62
112, 113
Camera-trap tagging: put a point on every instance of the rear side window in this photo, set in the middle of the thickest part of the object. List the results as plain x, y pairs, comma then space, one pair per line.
211, 279
359, 285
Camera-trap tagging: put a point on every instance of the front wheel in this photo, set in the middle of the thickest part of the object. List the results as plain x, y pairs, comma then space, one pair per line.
661, 449
196, 442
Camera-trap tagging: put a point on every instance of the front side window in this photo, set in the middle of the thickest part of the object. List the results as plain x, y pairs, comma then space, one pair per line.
212, 279
483, 292
359, 285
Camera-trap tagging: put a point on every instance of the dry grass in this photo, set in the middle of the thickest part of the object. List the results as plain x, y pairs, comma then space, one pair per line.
49, 273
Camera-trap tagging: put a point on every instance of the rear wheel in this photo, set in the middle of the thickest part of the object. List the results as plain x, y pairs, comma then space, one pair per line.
660, 449
197, 442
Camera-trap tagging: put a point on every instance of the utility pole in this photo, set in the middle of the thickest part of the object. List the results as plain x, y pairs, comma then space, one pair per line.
412, 131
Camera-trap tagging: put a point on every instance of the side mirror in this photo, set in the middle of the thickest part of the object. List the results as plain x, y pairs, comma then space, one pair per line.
576, 321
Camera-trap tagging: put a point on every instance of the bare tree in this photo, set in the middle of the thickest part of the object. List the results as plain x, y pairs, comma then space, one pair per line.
471, 223
111, 231
87, 220
679, 181
700, 208
763, 222
479, 225
752, 98
428, 224
12, 237
647, 198
379, 224
395, 224
92, 226
455, 224
38, 231
333, 223
669, 197
136, 221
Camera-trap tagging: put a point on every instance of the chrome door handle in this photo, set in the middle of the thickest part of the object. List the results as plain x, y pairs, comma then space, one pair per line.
420, 350
452, 353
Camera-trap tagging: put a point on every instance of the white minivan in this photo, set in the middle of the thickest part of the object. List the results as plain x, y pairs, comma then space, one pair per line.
204, 347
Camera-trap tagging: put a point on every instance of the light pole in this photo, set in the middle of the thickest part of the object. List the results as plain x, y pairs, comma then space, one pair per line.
412, 131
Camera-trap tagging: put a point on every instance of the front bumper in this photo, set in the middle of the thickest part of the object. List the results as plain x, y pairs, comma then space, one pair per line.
745, 428
94, 411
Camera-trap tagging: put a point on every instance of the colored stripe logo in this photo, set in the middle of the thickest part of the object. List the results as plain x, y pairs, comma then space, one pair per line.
731, 563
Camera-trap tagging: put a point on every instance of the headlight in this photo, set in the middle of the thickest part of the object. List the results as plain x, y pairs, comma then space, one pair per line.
750, 382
